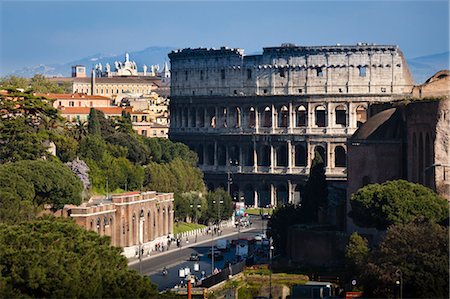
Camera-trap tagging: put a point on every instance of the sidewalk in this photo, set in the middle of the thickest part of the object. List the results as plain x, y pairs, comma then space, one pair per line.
201, 239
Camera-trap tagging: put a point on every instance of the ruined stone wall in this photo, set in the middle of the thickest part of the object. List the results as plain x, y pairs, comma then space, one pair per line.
428, 132
290, 70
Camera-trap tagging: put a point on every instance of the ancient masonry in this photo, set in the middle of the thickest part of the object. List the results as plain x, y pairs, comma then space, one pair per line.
131, 219
256, 121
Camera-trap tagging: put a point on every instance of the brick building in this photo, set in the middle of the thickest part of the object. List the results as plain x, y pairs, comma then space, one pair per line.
130, 219
407, 139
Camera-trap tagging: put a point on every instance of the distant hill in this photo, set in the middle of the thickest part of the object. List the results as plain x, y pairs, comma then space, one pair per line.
424, 67
148, 56
421, 67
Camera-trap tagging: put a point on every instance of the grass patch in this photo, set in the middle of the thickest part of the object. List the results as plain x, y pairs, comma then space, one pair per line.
258, 211
181, 227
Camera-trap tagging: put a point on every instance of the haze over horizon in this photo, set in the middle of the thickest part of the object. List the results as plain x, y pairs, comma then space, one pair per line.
60, 32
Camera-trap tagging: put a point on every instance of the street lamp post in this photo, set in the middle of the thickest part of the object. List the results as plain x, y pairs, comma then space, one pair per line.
212, 234
195, 207
270, 266
399, 282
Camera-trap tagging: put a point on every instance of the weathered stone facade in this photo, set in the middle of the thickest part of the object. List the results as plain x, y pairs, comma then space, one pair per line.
409, 141
256, 121
130, 219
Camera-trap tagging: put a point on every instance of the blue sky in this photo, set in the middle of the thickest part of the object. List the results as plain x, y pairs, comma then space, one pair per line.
36, 32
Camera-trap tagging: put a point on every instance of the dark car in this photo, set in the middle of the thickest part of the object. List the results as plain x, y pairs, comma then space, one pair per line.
194, 257
218, 255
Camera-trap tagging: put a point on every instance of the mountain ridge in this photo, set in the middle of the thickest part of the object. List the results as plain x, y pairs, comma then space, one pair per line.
421, 67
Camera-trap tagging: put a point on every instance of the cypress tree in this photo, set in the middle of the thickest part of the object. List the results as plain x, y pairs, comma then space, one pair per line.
316, 189
94, 122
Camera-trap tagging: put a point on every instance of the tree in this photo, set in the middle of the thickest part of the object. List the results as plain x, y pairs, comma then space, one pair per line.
396, 202
137, 151
19, 141
55, 258
13, 83
16, 198
420, 251
316, 190
283, 217
356, 253
52, 182
39, 83
94, 122
216, 208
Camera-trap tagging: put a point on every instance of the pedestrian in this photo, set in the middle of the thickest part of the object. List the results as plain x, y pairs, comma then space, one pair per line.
187, 240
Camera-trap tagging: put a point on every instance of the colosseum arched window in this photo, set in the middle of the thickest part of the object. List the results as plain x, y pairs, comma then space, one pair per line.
211, 117
249, 156
249, 195
234, 155
300, 155
340, 157
221, 155
282, 156
200, 154
283, 117
361, 115
341, 115
252, 118
193, 117
320, 150
281, 194
264, 155
201, 117
210, 154
320, 114
301, 116
267, 117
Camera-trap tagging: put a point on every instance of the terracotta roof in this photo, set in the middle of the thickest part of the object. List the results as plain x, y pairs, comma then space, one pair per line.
385, 125
86, 110
71, 96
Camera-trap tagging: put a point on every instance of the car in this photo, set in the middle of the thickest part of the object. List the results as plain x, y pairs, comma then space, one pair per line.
194, 257
218, 255
260, 237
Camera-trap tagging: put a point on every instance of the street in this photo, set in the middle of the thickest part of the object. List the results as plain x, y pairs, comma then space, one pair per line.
178, 258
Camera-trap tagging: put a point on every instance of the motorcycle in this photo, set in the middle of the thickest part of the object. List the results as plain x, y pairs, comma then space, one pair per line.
165, 272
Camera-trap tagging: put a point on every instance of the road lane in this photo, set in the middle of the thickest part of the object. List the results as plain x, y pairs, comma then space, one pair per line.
179, 258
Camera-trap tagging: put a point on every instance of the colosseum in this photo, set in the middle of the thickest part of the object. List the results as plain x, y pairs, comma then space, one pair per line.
256, 121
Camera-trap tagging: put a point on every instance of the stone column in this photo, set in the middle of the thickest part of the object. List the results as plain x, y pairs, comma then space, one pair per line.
255, 158
206, 118
182, 117
289, 191
256, 119
272, 195
274, 118
227, 157
241, 157
289, 151
272, 158
215, 155
329, 156
311, 116
291, 118
255, 196
330, 121
216, 115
